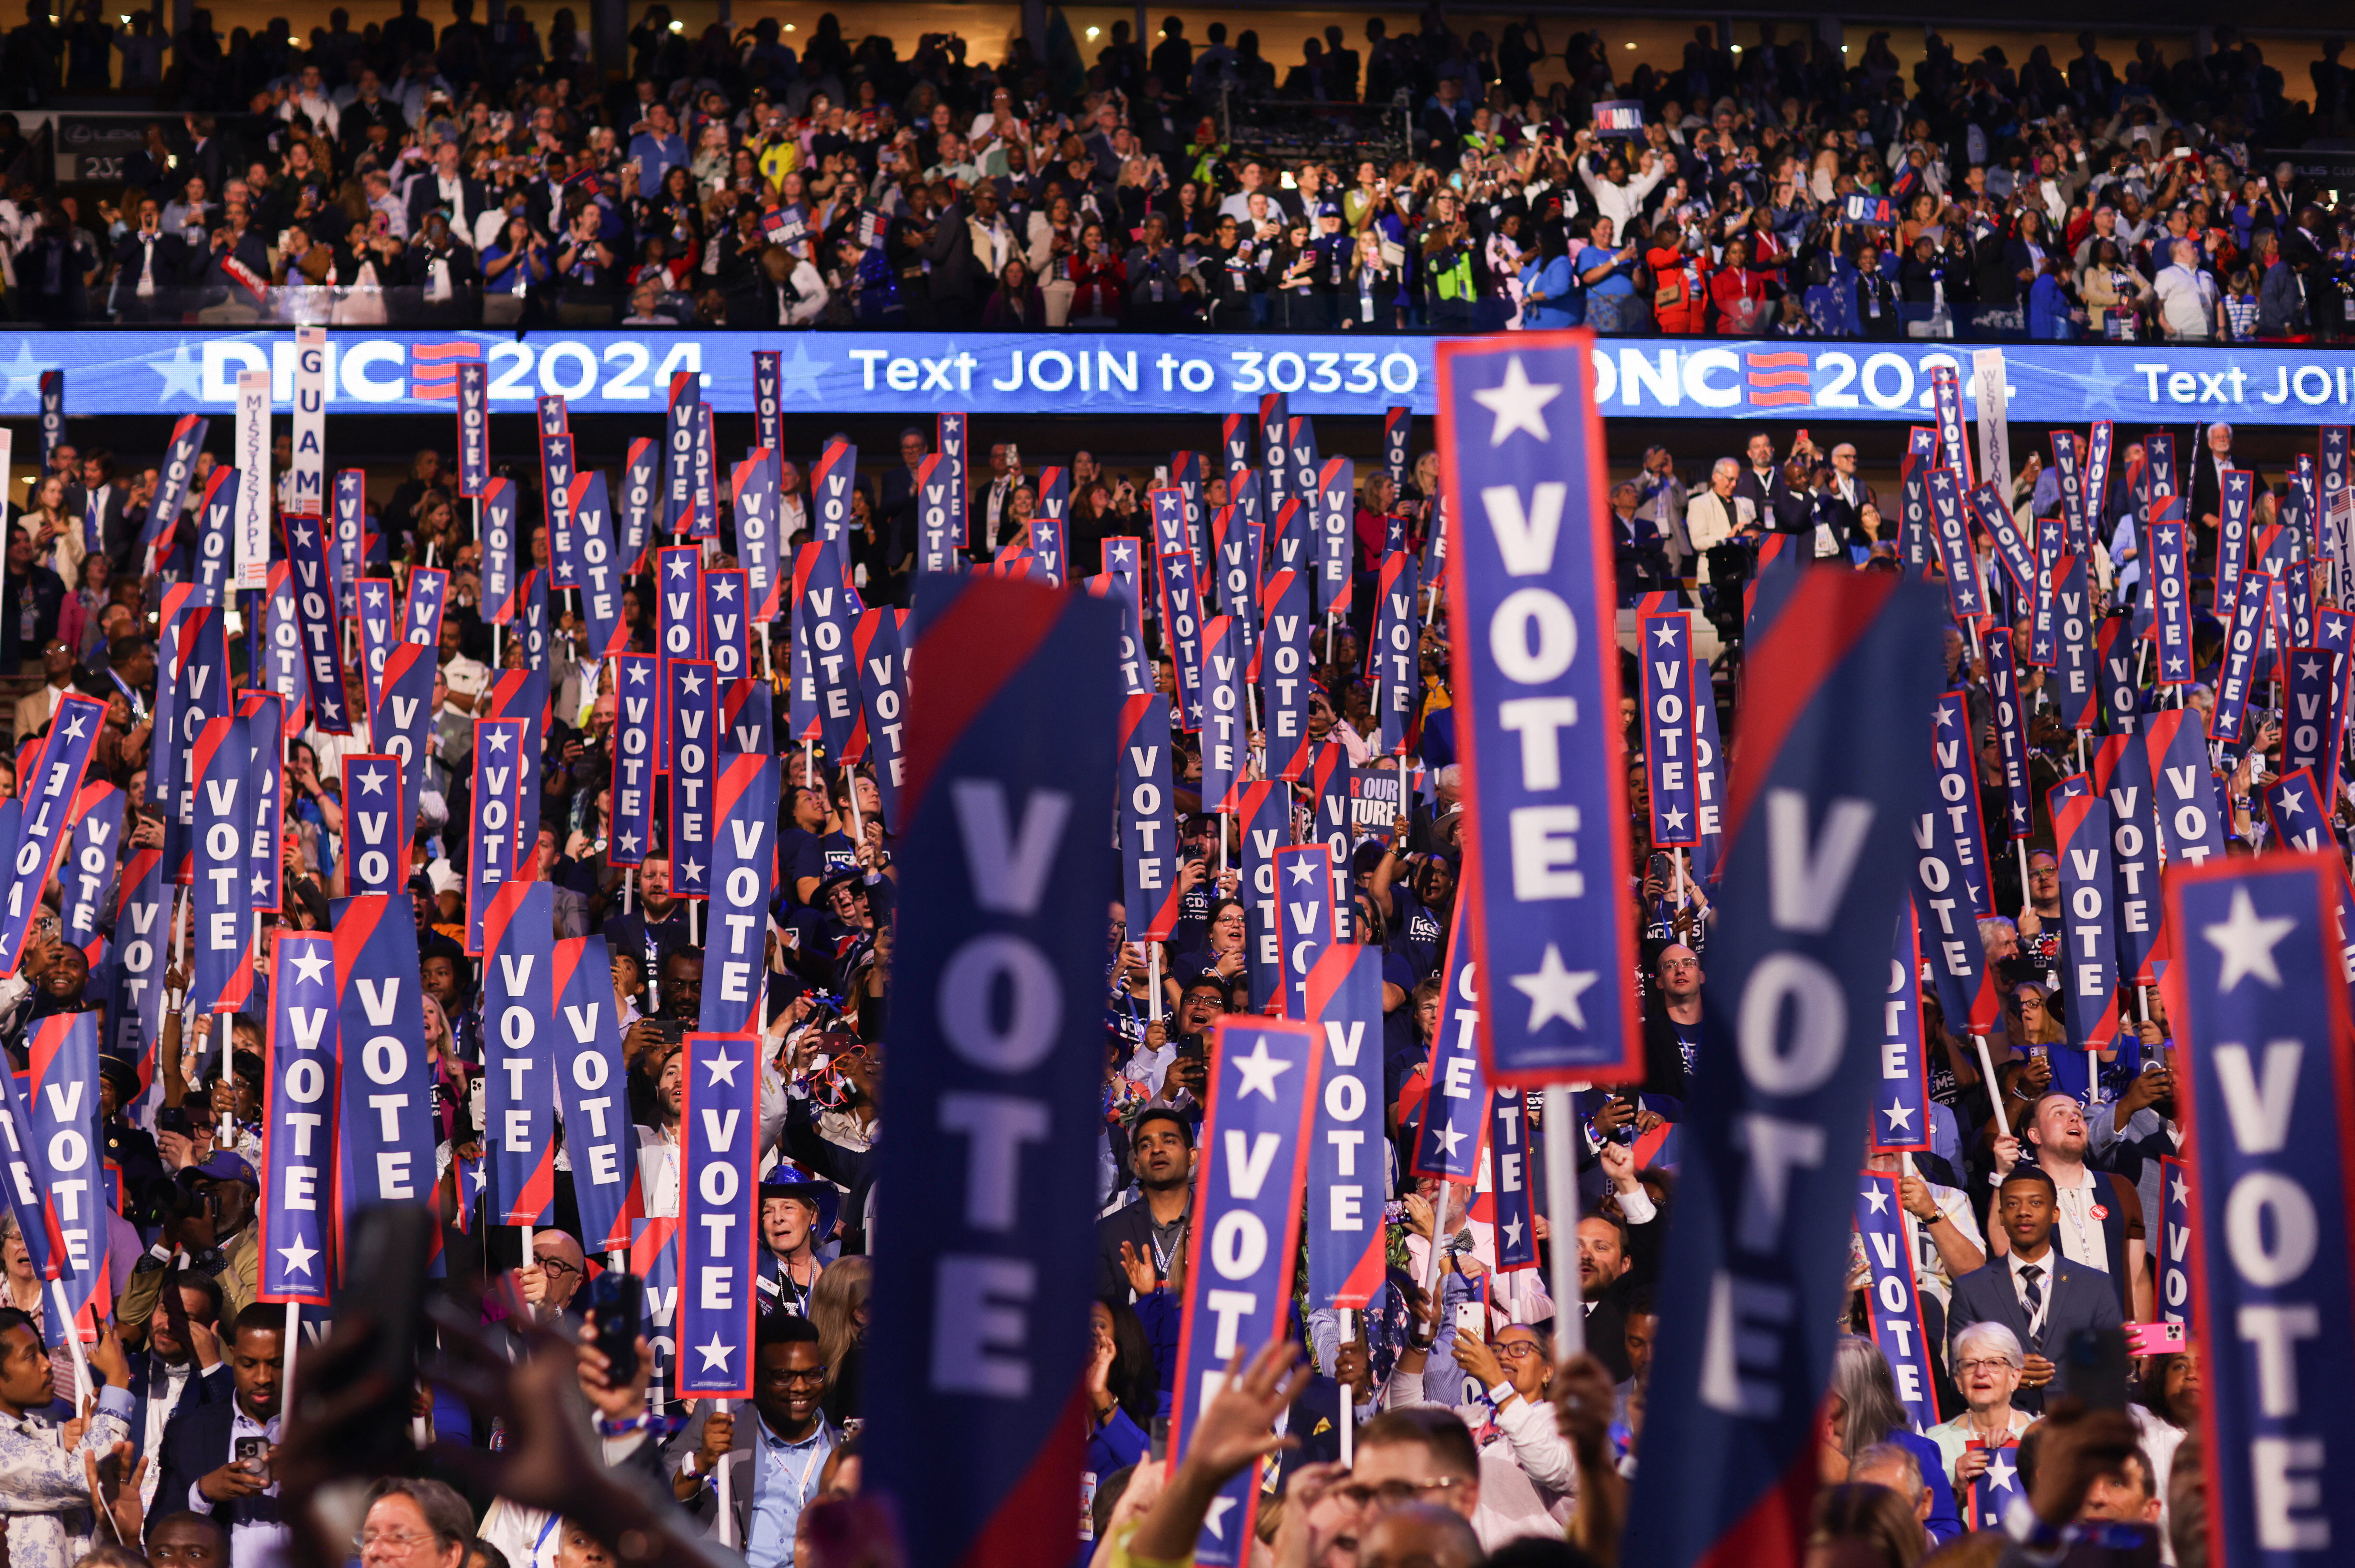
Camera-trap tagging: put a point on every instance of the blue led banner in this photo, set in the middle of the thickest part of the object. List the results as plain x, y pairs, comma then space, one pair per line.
175, 370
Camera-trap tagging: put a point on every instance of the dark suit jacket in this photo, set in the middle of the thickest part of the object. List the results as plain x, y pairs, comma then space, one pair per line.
196, 1444
2081, 1299
1133, 1223
1762, 495
425, 194
217, 1386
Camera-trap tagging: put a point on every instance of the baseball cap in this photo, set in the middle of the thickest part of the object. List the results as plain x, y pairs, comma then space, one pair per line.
224, 1165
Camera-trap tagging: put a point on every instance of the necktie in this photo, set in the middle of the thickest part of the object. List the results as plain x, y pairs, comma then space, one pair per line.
2032, 1279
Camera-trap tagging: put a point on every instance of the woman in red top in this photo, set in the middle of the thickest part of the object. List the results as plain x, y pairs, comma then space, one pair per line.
1098, 281
1738, 292
1679, 282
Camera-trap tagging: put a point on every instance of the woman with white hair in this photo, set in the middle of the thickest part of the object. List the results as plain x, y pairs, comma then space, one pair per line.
1988, 1365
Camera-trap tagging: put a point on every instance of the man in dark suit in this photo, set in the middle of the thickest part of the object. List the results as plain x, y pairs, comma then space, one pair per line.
895, 520
149, 263
1134, 1244
2206, 503
2034, 1291
1762, 479
1617, 1255
1639, 559
117, 533
445, 186
217, 1457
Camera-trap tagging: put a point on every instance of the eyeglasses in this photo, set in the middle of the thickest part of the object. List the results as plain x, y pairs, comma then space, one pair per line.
402, 1541
555, 1266
811, 1375
1517, 1349
1397, 1494
1993, 1365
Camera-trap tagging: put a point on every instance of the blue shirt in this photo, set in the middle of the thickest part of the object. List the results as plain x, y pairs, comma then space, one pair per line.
656, 157
785, 1479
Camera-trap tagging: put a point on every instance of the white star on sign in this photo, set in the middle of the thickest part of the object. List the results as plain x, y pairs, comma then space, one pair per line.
2247, 943
723, 1068
1901, 1117
182, 379
1511, 1230
715, 1354
629, 843
1554, 991
724, 590
2179, 1191
1301, 871
678, 566
303, 536
497, 740
1675, 820
1668, 634
637, 674
1999, 1472
298, 1256
2311, 669
1877, 1196
692, 683
1447, 1137
1258, 1071
375, 597
310, 969
73, 727
1519, 403
373, 783
1215, 1521
261, 887
694, 872
2291, 806
1945, 715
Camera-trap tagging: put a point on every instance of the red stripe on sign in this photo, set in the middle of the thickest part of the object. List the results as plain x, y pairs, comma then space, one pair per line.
1826, 615
1798, 378
1770, 1534
1787, 356
448, 351
986, 635
1779, 400
1031, 1524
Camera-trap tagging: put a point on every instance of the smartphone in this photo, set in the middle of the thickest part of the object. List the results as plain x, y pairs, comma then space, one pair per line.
618, 1302
253, 1454
670, 1031
391, 1246
2097, 1359
2156, 1338
1192, 1048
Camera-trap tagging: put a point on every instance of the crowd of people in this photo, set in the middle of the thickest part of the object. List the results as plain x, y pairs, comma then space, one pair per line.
477, 173
1472, 1443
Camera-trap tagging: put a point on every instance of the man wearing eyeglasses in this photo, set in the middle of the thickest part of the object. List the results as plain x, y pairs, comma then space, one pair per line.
1420, 1454
553, 1277
776, 1460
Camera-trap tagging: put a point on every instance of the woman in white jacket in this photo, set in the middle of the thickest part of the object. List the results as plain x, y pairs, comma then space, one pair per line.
1053, 235
1617, 196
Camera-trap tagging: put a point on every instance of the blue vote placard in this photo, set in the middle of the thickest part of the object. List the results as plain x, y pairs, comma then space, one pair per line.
1348, 1167
1011, 765
1755, 1280
1253, 1158
2258, 999
298, 1119
1531, 585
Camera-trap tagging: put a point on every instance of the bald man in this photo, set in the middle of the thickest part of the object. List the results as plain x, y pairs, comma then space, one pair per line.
1419, 1535
553, 1277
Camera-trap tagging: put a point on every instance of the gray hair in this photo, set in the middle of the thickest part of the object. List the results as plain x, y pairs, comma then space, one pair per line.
1893, 1457
1723, 465
1993, 1335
